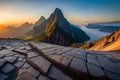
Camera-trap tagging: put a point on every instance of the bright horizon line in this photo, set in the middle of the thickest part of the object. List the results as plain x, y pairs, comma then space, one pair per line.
33, 20
20, 22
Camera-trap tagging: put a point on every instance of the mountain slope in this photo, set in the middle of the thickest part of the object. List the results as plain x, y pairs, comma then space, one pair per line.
57, 30
107, 43
41, 20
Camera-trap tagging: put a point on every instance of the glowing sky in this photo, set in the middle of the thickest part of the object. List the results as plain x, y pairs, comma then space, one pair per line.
76, 11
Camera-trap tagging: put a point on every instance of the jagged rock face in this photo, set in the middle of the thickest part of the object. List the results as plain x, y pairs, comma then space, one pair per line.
57, 30
41, 20
107, 43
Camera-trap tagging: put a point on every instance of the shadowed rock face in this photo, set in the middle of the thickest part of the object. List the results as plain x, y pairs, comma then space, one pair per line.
107, 43
57, 30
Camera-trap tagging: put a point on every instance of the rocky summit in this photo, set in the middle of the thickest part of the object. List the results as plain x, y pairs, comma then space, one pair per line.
57, 30
23, 60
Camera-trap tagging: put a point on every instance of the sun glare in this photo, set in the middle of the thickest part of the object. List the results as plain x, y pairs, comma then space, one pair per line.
0, 22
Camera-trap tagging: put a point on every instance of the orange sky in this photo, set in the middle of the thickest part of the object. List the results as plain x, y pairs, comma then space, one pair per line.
19, 21
76, 11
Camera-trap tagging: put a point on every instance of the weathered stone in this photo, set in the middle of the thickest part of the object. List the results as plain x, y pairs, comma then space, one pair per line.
57, 74
54, 50
24, 60
2, 55
91, 56
49, 56
4, 47
20, 59
22, 56
81, 54
41, 45
3, 76
78, 66
49, 49
47, 45
20, 71
19, 64
58, 52
57, 58
22, 51
108, 65
10, 49
42, 63
25, 66
75, 62
7, 68
33, 71
32, 54
93, 52
5, 52
11, 54
27, 47
66, 60
49, 53
10, 59
72, 52
26, 76
115, 56
0, 47
2, 62
95, 71
93, 60
112, 76
42, 77
21, 48
66, 49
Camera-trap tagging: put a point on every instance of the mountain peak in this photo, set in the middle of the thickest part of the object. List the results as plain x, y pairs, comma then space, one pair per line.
42, 18
57, 30
57, 9
58, 12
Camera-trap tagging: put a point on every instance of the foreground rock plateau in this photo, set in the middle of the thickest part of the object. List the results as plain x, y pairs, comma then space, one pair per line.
23, 60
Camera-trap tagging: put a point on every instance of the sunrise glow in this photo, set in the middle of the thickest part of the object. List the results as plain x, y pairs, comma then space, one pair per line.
80, 11
0, 22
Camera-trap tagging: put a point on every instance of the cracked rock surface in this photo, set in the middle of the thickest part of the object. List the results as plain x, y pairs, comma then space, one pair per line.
23, 60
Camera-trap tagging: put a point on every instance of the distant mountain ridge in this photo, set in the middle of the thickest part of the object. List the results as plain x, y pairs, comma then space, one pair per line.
107, 43
104, 28
111, 23
57, 30
15, 32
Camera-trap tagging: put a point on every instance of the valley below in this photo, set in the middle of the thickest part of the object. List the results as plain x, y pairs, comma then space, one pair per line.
94, 34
